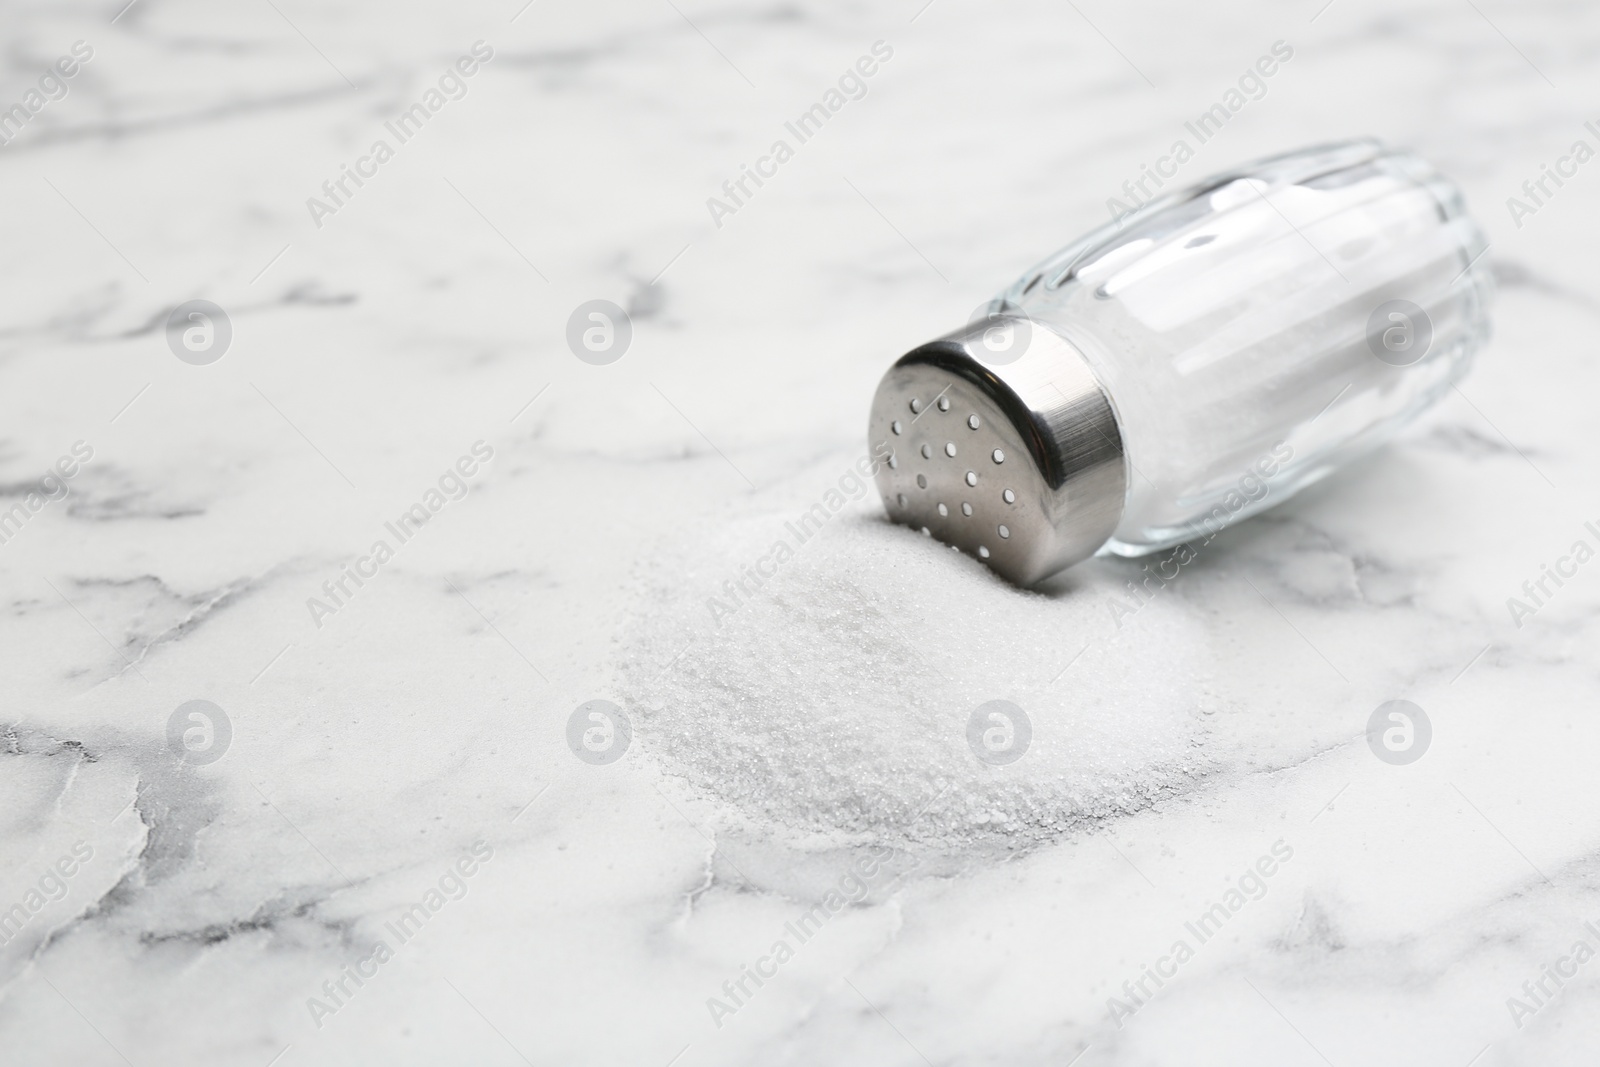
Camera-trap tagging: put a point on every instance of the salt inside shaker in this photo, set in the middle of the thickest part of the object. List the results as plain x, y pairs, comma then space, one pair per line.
1194, 362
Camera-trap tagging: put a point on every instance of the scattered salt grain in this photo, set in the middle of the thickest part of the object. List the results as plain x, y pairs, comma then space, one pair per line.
831, 693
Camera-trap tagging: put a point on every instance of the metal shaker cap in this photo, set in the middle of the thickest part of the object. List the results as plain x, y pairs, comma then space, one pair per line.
1016, 460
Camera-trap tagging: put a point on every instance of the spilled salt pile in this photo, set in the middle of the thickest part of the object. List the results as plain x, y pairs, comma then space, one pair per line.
835, 697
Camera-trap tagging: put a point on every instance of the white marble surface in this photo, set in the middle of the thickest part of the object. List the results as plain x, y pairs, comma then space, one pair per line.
369, 755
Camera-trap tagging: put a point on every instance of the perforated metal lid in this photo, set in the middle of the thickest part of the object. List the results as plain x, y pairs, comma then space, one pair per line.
1018, 462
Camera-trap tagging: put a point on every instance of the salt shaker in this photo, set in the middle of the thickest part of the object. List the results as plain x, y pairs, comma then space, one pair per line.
1202, 358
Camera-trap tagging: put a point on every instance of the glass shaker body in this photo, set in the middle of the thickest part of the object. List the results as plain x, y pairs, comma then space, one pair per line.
1257, 331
